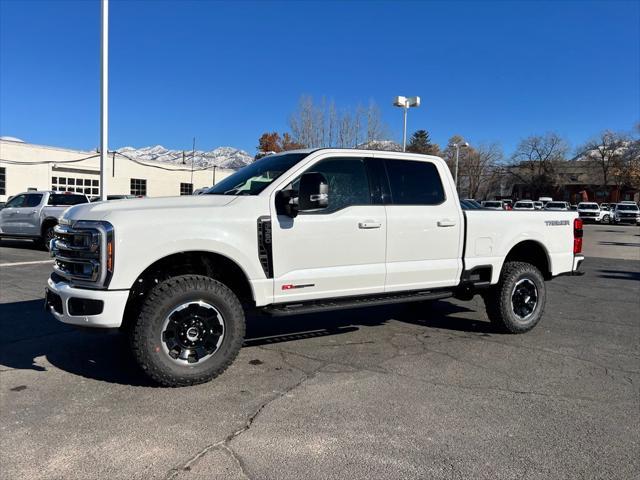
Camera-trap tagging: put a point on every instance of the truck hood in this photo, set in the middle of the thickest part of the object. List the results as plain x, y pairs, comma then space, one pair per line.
144, 206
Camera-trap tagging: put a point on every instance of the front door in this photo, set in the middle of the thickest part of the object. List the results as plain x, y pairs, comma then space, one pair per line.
335, 251
9, 220
28, 215
424, 221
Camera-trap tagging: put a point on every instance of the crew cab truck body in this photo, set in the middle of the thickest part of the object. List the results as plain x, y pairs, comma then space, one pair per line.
34, 214
293, 233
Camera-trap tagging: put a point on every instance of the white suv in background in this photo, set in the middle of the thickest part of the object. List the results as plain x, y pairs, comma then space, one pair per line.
626, 212
590, 211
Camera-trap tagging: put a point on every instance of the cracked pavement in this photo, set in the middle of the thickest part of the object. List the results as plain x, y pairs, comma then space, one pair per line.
413, 391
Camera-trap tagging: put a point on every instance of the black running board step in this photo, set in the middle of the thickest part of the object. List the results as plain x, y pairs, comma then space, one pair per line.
326, 305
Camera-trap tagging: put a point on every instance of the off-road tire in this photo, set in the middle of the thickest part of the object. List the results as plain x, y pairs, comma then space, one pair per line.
498, 299
146, 339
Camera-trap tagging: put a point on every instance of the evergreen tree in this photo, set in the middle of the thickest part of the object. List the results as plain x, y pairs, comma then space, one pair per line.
420, 142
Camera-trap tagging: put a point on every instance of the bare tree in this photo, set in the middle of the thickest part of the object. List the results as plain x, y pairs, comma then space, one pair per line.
324, 126
332, 124
375, 127
535, 160
479, 166
346, 131
605, 152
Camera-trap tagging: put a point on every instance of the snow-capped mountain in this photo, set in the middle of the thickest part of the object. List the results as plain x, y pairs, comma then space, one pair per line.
223, 157
388, 145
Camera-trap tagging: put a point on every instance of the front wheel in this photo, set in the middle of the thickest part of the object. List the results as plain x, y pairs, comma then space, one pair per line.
190, 329
605, 219
516, 303
47, 235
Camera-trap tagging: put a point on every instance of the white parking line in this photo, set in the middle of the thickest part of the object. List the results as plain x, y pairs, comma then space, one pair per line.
17, 264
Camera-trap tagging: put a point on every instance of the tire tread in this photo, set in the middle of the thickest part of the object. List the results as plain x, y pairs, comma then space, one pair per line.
183, 284
497, 307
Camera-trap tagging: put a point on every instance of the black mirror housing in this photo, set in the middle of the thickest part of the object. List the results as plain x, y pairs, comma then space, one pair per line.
286, 203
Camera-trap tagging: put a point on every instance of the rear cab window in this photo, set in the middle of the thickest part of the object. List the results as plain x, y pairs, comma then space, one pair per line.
414, 183
33, 200
62, 199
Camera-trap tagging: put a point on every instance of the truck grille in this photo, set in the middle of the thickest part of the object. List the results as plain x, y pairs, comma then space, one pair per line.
79, 252
588, 214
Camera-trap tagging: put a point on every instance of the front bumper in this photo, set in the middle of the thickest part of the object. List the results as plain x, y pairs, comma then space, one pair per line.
114, 303
631, 220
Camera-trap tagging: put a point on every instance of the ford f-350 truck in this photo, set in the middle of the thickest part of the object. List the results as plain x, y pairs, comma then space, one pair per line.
293, 233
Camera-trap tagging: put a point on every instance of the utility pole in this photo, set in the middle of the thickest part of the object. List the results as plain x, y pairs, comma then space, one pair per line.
214, 175
193, 158
104, 96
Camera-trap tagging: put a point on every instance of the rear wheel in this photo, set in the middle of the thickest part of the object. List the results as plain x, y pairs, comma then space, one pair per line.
189, 331
516, 303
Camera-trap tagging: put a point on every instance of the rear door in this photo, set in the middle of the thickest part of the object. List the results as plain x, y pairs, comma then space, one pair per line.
425, 226
334, 251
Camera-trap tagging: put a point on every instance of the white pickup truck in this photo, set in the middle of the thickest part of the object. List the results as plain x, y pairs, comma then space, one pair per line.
33, 214
293, 233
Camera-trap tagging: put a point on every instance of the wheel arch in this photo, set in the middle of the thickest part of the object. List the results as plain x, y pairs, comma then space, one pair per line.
46, 223
200, 262
532, 252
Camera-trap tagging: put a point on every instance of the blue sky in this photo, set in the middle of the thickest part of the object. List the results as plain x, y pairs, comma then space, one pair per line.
225, 72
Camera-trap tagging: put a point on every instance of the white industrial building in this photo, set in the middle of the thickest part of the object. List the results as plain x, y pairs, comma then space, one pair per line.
24, 166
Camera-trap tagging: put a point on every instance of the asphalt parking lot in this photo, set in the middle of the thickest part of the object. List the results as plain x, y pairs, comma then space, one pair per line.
421, 391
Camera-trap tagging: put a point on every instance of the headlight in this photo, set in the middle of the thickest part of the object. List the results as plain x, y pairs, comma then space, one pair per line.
84, 252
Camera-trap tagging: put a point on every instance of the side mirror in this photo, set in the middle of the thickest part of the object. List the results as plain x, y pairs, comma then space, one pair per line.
287, 203
313, 192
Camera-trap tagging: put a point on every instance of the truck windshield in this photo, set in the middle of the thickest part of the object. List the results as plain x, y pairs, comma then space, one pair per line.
254, 178
588, 206
622, 206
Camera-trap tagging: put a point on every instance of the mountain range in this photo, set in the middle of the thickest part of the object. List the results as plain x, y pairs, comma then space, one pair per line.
222, 157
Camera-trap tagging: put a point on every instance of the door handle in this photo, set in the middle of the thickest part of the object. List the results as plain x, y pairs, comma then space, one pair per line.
33, 211
369, 224
445, 222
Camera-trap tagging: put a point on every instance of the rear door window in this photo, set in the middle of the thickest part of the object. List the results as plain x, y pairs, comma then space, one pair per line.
414, 183
33, 200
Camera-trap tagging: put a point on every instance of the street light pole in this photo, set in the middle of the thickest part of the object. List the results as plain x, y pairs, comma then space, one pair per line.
405, 103
404, 129
457, 147
455, 177
104, 96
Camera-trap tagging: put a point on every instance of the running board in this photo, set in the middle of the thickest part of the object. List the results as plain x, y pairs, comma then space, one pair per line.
326, 305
